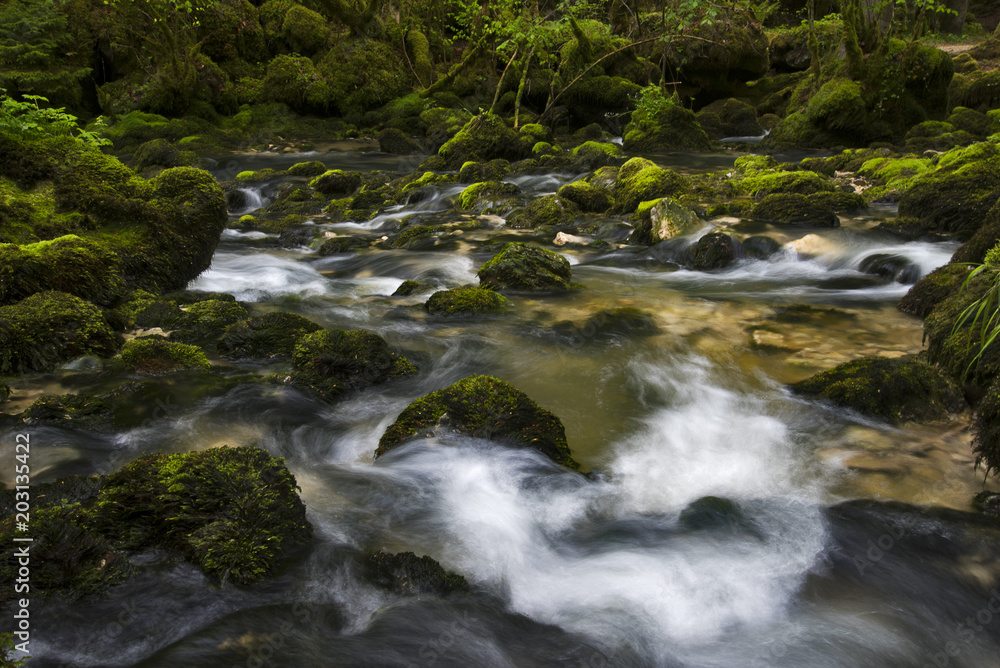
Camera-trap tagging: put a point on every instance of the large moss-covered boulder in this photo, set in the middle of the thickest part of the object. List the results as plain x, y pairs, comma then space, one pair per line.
157, 355
233, 512
67, 264
331, 362
933, 289
205, 319
896, 390
484, 138
336, 182
958, 348
482, 407
519, 266
986, 430
956, 197
667, 128
269, 335
489, 196
467, 300
49, 328
590, 198
545, 210
768, 182
794, 209
640, 180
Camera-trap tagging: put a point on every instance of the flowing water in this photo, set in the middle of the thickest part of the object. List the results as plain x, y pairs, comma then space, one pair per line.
628, 565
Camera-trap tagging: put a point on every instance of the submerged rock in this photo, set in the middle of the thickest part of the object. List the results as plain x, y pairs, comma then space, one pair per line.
467, 300
331, 362
482, 407
897, 390
519, 266
406, 573
265, 336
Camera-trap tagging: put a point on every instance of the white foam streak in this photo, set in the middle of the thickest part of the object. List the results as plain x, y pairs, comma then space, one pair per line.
260, 276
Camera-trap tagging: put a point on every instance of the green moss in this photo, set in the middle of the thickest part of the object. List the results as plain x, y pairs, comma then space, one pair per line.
751, 165
233, 512
933, 289
545, 210
161, 153
518, 266
974, 122
929, 129
336, 182
794, 209
329, 363
49, 328
483, 407
406, 573
411, 234
467, 300
344, 244
838, 108
955, 349
67, 264
475, 172
313, 168
802, 182
207, 319
664, 219
640, 180
588, 197
598, 154
896, 390
305, 31
488, 195
986, 430
157, 355
261, 337
892, 176
482, 139
364, 74
667, 127
407, 288
297, 83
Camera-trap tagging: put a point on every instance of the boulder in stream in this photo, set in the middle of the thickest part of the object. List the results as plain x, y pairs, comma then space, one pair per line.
482, 407
896, 390
262, 337
467, 300
406, 573
519, 266
794, 209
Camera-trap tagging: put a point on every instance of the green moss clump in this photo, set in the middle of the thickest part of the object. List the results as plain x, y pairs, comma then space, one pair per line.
336, 182
161, 153
892, 176
488, 195
664, 127
640, 180
407, 288
363, 75
839, 109
896, 390
406, 573
589, 198
484, 138
312, 168
207, 319
67, 264
483, 407
933, 289
467, 300
665, 219
68, 557
794, 209
232, 512
261, 337
801, 182
594, 154
475, 172
546, 210
976, 123
331, 362
305, 30
716, 250
261, 175
297, 83
394, 141
49, 328
986, 430
157, 355
344, 244
518, 266
955, 349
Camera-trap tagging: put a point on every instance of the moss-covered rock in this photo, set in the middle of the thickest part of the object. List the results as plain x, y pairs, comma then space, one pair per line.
958, 349
162, 153
592, 154
406, 573
716, 250
482, 407
545, 210
590, 198
407, 288
311, 168
331, 362
640, 180
518, 266
157, 355
736, 118
794, 209
668, 128
262, 337
391, 140
476, 172
974, 122
611, 324
336, 182
892, 176
233, 512
305, 31
896, 390
467, 300
49, 328
489, 196
67, 264
802, 182
296, 82
484, 138
933, 289
207, 319
986, 430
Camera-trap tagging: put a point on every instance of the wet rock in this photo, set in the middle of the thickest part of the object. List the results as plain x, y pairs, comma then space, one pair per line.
933, 289
484, 138
394, 141
760, 247
896, 390
407, 288
893, 267
607, 324
266, 336
716, 250
545, 210
406, 573
640, 180
482, 407
519, 266
588, 197
794, 209
331, 362
155, 355
467, 300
